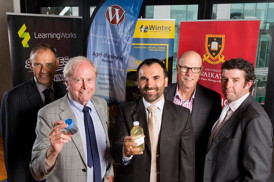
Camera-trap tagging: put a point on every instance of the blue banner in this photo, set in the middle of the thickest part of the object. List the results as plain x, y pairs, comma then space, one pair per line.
109, 46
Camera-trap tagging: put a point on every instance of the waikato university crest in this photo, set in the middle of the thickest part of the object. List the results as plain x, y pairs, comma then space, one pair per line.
214, 46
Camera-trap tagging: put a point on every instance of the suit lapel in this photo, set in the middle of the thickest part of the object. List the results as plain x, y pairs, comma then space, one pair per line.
68, 113
100, 110
197, 105
34, 95
170, 92
166, 127
231, 122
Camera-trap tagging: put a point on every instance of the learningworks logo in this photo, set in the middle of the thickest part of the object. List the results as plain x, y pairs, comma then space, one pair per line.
24, 35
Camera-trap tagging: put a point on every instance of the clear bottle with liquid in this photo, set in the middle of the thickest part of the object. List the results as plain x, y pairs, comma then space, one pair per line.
137, 133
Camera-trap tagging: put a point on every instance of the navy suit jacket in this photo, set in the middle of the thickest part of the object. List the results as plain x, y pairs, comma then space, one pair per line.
19, 110
205, 111
242, 150
176, 144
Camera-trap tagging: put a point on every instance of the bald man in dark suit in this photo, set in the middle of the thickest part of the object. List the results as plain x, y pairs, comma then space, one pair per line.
204, 103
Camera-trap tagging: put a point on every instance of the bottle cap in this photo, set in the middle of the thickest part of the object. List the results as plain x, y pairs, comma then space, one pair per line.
135, 123
70, 123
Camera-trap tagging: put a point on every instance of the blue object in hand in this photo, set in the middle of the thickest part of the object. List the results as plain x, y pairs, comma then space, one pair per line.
72, 128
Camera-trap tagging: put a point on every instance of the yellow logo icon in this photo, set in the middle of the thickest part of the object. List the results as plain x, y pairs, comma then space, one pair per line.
25, 35
214, 46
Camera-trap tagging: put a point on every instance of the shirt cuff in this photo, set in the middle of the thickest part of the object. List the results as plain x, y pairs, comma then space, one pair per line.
126, 160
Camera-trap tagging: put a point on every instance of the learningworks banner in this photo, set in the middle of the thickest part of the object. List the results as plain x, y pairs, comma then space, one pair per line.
27, 30
109, 46
152, 39
218, 41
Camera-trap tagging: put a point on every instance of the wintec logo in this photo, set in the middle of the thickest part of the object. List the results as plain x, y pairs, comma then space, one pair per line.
159, 28
115, 14
143, 28
155, 28
25, 35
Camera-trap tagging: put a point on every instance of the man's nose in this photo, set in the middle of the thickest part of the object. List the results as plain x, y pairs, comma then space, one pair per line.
228, 84
150, 83
84, 83
43, 68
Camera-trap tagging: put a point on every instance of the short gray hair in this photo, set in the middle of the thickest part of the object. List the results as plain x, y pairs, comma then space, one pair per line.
42, 46
68, 69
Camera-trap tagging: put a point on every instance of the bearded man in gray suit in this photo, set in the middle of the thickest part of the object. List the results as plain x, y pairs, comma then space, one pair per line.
62, 157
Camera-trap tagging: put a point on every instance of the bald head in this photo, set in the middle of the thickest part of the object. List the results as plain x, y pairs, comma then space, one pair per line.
191, 55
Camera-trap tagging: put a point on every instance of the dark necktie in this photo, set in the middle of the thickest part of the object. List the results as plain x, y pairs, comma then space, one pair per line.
49, 96
92, 150
219, 124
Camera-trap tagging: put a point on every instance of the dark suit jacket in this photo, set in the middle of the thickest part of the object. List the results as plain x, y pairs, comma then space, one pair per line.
176, 144
206, 110
18, 118
242, 150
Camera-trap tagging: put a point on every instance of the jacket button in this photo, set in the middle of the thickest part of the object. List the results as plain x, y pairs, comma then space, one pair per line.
84, 170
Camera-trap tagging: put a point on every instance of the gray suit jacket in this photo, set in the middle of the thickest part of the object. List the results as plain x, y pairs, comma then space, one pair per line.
176, 144
242, 150
205, 111
71, 165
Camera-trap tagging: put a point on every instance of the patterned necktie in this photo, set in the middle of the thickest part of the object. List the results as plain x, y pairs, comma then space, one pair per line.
154, 134
93, 159
219, 124
49, 95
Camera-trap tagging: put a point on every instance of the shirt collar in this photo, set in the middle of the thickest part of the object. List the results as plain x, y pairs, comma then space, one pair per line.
159, 104
77, 105
42, 87
178, 95
235, 104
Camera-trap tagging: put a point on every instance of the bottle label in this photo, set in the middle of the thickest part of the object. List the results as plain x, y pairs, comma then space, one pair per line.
140, 140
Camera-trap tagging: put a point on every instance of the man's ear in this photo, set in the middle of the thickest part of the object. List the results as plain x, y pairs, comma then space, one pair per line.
250, 83
202, 69
166, 81
30, 64
57, 62
177, 69
66, 82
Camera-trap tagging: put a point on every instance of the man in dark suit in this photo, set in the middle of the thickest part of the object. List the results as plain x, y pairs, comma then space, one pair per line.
240, 146
19, 112
171, 156
203, 103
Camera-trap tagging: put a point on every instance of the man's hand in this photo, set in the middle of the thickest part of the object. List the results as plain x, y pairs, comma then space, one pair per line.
109, 178
57, 137
57, 140
130, 147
